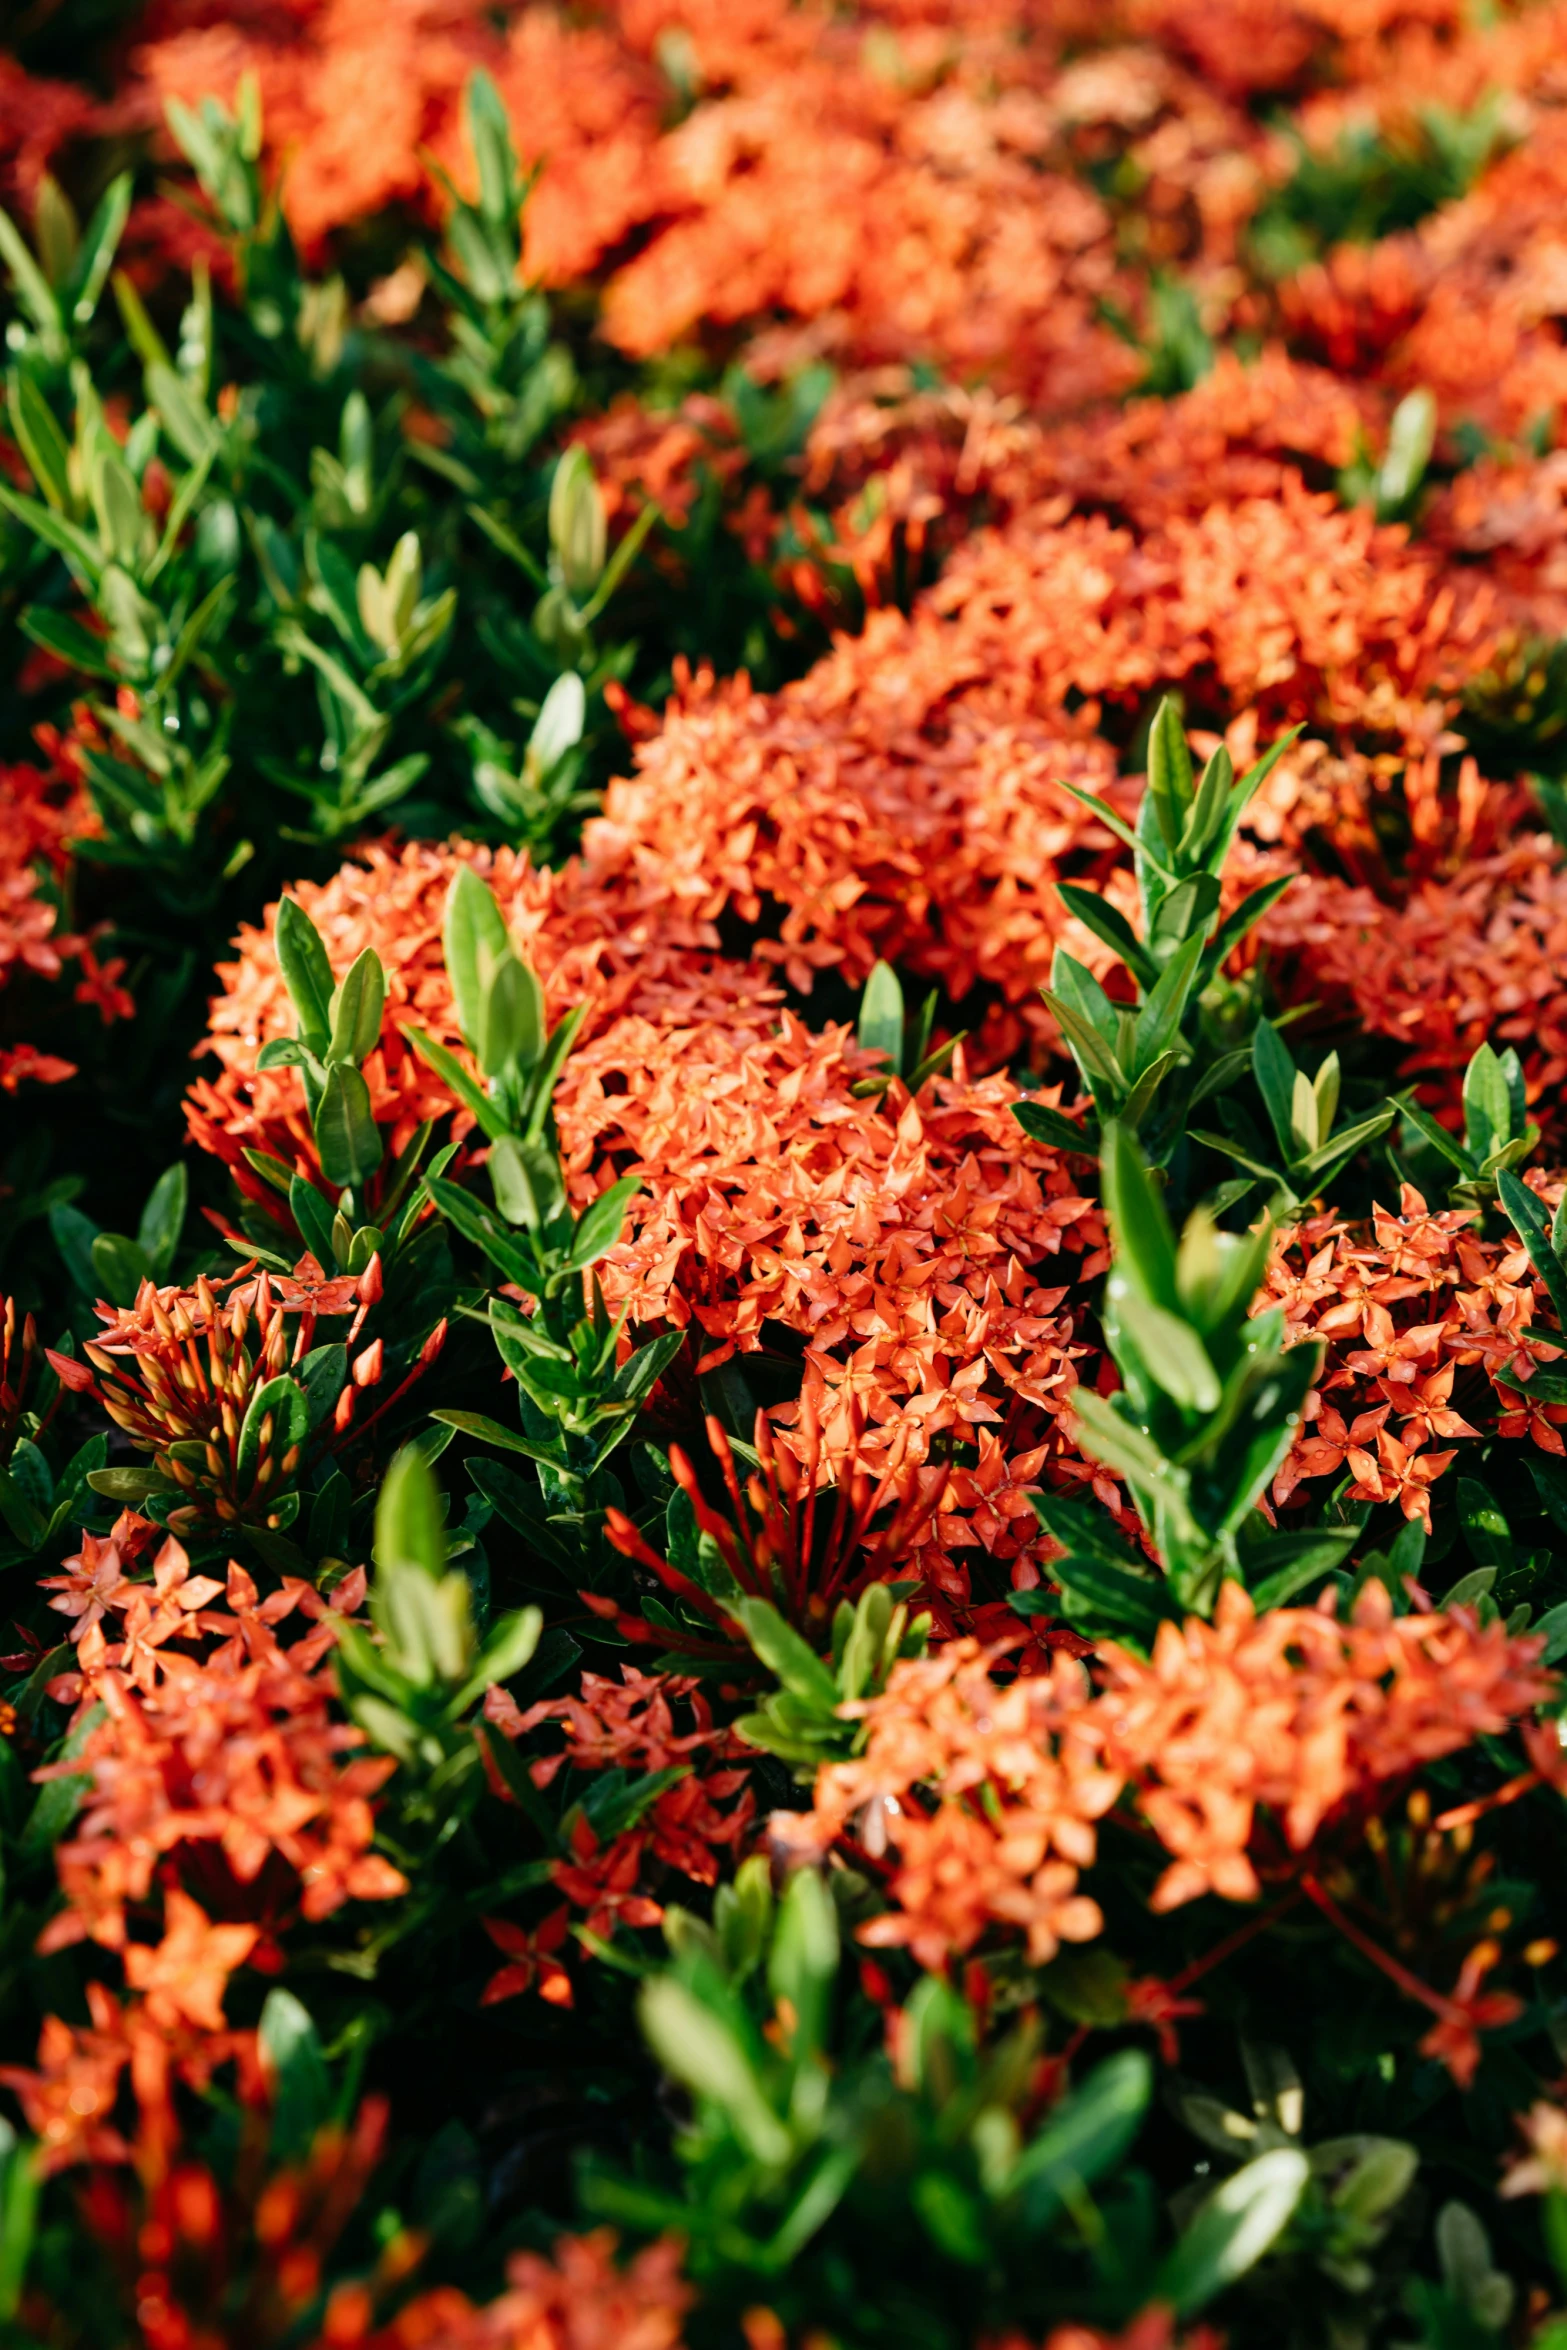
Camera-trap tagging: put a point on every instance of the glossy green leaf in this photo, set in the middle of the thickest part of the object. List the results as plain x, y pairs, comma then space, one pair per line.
348, 1140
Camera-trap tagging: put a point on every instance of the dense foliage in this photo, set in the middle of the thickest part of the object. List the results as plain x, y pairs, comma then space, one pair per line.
783, 1175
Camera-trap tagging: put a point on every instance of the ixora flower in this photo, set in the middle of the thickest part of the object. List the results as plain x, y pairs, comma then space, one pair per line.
234, 1765
990, 1793
1422, 1320
226, 1392
581, 2299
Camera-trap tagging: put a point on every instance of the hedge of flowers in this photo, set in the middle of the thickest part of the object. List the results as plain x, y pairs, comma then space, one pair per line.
783, 1175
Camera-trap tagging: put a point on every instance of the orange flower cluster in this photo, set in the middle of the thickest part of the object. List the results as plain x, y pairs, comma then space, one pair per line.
1020, 1783
1299, 1714
719, 145
1406, 1309
1238, 1741
233, 1763
171, 2029
1155, 2329
1460, 962
580, 2300
587, 945
904, 1242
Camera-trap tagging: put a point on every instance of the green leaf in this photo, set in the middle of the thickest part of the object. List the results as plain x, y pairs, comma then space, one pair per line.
1105, 1436
163, 1219
143, 336
1094, 1057
1295, 1560
458, 1082
1207, 808
1103, 1595
1043, 1124
1438, 1137
511, 1015
521, 1505
283, 1402
73, 1235
410, 1521
1172, 1352
1241, 797
315, 1217
803, 1964
1552, 1627
307, 974
1275, 1072
68, 640
600, 1226
33, 289
1158, 1024
183, 415
476, 1223
880, 1027
1411, 433
1183, 913
121, 1267
1233, 929
1320, 1166
527, 1183
295, 2071
1528, 1219
1075, 986
1107, 816
495, 1432
541, 1086
1086, 2135
39, 437
509, 1647
703, 2052
355, 1012
66, 538
785, 1654
323, 1375
1144, 1243
27, 1522
348, 1141
89, 272
1232, 2230
1169, 772
1487, 1107
639, 1372
1232, 1150
473, 925
21, 2183
129, 1487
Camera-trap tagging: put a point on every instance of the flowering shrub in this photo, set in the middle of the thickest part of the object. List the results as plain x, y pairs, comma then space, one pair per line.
783, 1261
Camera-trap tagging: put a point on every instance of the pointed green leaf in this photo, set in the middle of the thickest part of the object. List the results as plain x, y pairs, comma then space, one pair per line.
1169, 773
1053, 1127
1144, 1243
880, 1028
1107, 922
601, 1225
307, 973
356, 1008
348, 1139
1232, 2230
